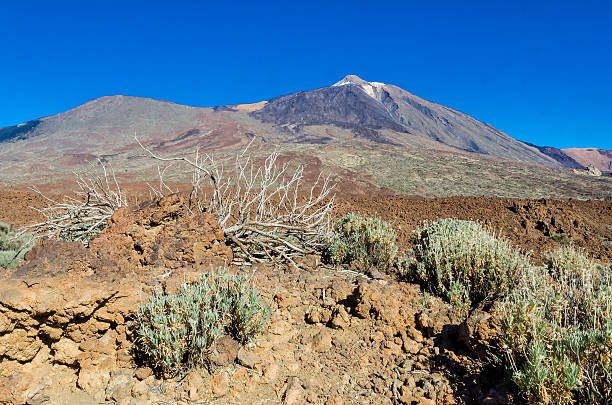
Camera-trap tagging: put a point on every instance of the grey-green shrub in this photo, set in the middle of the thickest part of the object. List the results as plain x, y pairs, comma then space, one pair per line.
13, 247
176, 332
558, 331
465, 262
368, 241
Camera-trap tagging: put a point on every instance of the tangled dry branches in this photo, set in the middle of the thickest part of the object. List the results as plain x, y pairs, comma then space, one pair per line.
81, 217
261, 208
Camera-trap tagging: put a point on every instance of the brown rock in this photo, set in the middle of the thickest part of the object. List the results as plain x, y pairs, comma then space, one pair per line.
294, 391
270, 373
195, 387
143, 372
425, 323
335, 400
5, 324
409, 345
20, 387
339, 290
481, 332
340, 318
377, 336
318, 315
225, 351
66, 351
414, 334
247, 358
283, 300
278, 326
389, 303
158, 234
140, 389
219, 384
241, 374
119, 387
322, 341
21, 345
92, 379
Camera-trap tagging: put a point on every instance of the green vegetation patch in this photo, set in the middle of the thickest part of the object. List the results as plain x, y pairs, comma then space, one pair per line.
465, 262
13, 246
558, 331
368, 241
176, 332
561, 238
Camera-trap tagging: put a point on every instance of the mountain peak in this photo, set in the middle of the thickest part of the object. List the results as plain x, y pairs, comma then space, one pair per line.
351, 79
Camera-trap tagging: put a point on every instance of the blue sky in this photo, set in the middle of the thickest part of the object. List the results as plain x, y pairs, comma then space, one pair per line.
540, 71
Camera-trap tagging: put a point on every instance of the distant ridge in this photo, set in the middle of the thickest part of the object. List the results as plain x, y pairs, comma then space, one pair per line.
599, 158
344, 127
559, 155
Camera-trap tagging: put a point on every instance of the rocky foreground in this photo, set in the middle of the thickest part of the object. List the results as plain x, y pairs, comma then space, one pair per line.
67, 315
67, 318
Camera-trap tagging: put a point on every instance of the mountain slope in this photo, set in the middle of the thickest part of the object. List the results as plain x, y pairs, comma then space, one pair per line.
346, 107
366, 108
559, 155
368, 135
599, 158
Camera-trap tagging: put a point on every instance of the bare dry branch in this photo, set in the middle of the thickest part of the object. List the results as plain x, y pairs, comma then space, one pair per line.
79, 218
261, 208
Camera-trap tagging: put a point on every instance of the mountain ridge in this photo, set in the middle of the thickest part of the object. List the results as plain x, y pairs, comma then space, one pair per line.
336, 127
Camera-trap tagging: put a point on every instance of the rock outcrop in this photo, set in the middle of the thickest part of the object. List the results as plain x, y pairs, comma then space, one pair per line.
70, 307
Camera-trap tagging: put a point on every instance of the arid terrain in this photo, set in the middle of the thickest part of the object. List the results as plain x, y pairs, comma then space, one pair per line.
531, 224
367, 135
335, 336
338, 332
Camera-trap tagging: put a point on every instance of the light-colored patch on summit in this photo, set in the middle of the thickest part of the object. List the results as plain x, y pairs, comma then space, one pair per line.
250, 107
369, 90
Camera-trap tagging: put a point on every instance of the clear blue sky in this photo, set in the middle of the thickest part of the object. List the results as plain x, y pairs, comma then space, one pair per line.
540, 71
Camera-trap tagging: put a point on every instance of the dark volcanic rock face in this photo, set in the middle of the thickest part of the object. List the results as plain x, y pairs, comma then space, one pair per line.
559, 156
18, 132
343, 106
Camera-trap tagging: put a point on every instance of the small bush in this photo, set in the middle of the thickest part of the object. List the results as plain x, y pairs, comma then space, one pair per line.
176, 332
13, 247
558, 331
464, 262
368, 241
561, 238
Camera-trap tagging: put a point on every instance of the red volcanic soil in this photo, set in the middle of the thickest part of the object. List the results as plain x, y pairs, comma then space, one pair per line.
532, 225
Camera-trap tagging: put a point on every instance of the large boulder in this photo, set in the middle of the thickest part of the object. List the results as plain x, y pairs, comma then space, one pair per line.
159, 233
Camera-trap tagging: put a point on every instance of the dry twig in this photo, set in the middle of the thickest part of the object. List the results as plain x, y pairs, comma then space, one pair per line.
260, 207
79, 218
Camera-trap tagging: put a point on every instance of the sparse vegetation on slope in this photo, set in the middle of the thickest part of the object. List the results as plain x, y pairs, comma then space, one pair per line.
558, 331
176, 332
465, 262
13, 247
369, 242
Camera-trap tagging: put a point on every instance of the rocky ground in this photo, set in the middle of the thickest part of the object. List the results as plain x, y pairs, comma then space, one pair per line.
335, 336
535, 225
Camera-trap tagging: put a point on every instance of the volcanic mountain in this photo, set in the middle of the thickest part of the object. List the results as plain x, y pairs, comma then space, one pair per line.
371, 110
599, 158
345, 127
